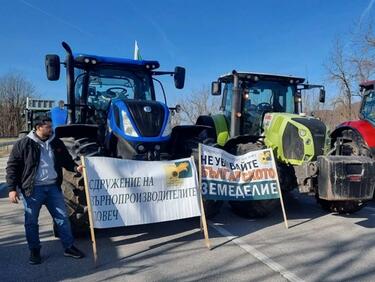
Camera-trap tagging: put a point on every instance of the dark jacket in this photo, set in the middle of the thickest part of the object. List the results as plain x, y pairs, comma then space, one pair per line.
24, 161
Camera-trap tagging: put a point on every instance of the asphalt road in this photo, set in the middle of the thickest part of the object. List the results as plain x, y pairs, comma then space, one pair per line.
317, 247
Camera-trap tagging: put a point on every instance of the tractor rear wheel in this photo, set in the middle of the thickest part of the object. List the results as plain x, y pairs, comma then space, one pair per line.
73, 185
252, 209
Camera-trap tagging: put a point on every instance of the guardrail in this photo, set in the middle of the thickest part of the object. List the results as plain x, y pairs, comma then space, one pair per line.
4, 144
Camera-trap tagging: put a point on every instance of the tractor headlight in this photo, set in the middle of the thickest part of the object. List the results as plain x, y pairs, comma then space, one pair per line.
128, 127
302, 132
168, 128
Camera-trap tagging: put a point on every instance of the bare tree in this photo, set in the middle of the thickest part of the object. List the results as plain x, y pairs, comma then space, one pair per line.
198, 103
369, 37
175, 119
340, 71
310, 102
347, 66
14, 89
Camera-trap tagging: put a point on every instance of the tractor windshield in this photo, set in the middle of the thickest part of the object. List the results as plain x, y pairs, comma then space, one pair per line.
265, 96
104, 85
270, 96
368, 110
107, 84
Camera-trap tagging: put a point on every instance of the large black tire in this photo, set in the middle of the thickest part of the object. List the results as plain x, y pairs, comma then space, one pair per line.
73, 185
252, 209
287, 177
341, 207
353, 146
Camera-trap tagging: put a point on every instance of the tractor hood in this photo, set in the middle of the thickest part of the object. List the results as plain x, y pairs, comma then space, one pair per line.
139, 120
294, 138
148, 116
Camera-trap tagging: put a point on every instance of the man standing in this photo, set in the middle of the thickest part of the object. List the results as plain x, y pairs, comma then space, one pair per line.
35, 167
59, 115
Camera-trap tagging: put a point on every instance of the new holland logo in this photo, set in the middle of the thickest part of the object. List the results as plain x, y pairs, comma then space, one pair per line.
175, 173
147, 109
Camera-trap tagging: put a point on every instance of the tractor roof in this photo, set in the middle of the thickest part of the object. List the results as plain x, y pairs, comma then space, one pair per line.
114, 62
262, 76
368, 84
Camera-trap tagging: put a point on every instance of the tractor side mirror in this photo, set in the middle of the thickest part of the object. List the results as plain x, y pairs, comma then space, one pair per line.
179, 77
216, 88
322, 95
53, 67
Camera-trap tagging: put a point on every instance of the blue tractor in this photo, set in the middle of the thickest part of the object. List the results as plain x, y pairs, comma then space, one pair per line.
113, 112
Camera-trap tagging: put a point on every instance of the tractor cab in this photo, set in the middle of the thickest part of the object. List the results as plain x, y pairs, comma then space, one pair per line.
367, 111
248, 96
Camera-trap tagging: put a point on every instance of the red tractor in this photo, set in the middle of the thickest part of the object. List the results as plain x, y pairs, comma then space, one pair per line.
358, 136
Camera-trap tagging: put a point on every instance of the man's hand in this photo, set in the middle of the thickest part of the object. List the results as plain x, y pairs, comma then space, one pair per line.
13, 197
80, 169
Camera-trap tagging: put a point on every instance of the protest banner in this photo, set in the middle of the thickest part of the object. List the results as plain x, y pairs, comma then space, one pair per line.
128, 192
249, 177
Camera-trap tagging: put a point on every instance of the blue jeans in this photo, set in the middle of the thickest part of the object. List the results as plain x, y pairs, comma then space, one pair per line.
51, 196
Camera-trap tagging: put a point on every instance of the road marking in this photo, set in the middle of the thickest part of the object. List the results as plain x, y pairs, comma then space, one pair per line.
257, 254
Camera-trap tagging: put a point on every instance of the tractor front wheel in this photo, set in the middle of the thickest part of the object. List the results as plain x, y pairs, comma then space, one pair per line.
253, 209
341, 207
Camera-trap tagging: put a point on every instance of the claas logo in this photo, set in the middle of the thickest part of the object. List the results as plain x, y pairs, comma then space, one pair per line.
177, 171
265, 157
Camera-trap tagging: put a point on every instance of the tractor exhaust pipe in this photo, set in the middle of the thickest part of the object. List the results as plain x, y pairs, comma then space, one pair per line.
236, 107
69, 64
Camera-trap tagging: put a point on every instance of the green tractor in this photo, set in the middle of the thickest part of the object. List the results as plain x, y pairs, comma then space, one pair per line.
34, 108
264, 111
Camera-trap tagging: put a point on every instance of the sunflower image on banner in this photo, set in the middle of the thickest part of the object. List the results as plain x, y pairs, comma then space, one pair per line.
176, 172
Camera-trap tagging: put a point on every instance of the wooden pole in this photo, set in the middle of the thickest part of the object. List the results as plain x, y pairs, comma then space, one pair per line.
279, 188
203, 214
91, 221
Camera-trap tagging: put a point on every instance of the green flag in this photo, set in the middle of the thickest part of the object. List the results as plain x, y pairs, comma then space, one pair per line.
137, 53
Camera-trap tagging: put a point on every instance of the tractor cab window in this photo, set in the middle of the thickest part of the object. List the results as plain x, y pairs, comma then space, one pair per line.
368, 110
227, 101
272, 96
104, 85
262, 97
107, 84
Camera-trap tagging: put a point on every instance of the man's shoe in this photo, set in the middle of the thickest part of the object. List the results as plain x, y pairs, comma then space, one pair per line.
73, 252
35, 256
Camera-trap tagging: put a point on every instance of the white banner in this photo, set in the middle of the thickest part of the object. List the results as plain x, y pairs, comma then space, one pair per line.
252, 176
127, 192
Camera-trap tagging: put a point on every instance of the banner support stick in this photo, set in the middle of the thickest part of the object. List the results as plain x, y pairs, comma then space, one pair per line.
92, 232
203, 214
280, 194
